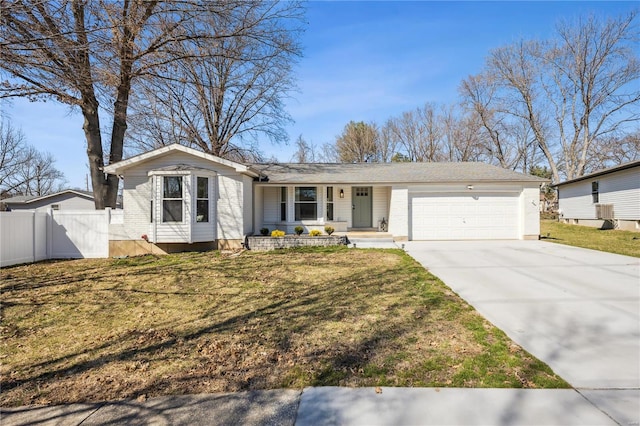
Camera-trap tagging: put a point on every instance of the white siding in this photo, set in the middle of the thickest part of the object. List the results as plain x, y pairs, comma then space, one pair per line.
575, 201
530, 200
271, 204
172, 232
203, 231
136, 200
342, 206
247, 205
622, 189
399, 212
258, 208
230, 197
230, 207
380, 204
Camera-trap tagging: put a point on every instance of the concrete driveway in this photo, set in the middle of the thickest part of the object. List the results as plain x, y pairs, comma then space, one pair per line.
577, 310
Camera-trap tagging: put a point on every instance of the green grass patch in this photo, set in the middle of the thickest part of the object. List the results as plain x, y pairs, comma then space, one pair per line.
609, 240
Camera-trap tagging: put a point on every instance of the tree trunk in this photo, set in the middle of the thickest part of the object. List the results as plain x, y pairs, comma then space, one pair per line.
91, 129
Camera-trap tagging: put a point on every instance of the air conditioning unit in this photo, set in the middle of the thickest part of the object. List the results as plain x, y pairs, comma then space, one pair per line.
604, 211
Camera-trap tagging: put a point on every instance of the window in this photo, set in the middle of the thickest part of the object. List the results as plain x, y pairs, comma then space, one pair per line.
329, 203
55, 206
202, 199
594, 192
172, 199
283, 203
306, 203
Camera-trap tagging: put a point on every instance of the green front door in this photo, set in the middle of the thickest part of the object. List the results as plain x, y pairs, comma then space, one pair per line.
361, 196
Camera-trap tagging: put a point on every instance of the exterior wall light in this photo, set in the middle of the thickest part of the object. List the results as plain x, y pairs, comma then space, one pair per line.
342, 193
469, 187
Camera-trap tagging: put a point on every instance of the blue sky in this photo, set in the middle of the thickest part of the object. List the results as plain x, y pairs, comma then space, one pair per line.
364, 61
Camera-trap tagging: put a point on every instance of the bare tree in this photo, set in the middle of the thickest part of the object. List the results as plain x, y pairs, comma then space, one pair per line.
358, 143
569, 91
23, 169
12, 155
419, 132
464, 137
612, 150
505, 137
387, 143
38, 175
91, 54
305, 151
328, 153
228, 91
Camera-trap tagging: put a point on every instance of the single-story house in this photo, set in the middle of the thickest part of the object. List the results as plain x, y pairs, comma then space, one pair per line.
70, 199
175, 196
604, 199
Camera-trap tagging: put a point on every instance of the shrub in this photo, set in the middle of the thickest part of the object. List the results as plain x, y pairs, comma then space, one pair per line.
299, 230
329, 229
315, 233
277, 233
264, 231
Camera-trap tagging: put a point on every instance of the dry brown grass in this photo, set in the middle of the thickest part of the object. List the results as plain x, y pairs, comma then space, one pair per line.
90, 330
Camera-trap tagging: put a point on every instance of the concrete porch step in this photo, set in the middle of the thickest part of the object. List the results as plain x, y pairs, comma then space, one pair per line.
367, 234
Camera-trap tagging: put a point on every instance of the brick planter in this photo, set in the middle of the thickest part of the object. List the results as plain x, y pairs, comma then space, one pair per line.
260, 243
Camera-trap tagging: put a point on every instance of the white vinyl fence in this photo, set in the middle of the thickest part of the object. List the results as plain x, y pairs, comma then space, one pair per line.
28, 236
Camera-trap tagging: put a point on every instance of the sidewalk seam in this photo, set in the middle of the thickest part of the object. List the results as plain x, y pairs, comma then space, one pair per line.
92, 413
295, 419
594, 405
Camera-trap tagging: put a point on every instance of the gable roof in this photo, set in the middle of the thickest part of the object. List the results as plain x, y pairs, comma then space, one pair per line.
602, 172
336, 173
26, 199
120, 166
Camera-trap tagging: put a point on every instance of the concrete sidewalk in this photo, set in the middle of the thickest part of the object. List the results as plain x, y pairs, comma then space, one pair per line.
346, 406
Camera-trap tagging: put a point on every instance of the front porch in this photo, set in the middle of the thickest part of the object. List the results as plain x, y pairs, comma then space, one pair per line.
345, 208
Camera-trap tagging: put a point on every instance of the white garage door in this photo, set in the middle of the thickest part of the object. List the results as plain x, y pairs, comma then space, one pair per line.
464, 217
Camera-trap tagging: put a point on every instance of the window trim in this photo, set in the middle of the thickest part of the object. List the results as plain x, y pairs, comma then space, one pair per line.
330, 196
284, 191
595, 192
298, 203
181, 199
198, 199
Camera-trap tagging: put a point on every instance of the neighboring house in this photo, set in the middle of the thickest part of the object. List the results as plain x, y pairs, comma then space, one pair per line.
70, 199
176, 196
605, 199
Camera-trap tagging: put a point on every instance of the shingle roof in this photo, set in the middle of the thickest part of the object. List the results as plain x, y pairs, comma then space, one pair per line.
389, 173
24, 199
602, 172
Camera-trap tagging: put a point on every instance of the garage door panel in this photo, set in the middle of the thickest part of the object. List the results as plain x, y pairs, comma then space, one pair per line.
464, 217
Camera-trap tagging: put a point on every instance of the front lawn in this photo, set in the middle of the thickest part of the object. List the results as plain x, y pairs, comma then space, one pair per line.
91, 330
610, 240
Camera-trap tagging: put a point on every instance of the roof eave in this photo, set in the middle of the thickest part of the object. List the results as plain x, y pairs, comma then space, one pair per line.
604, 172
